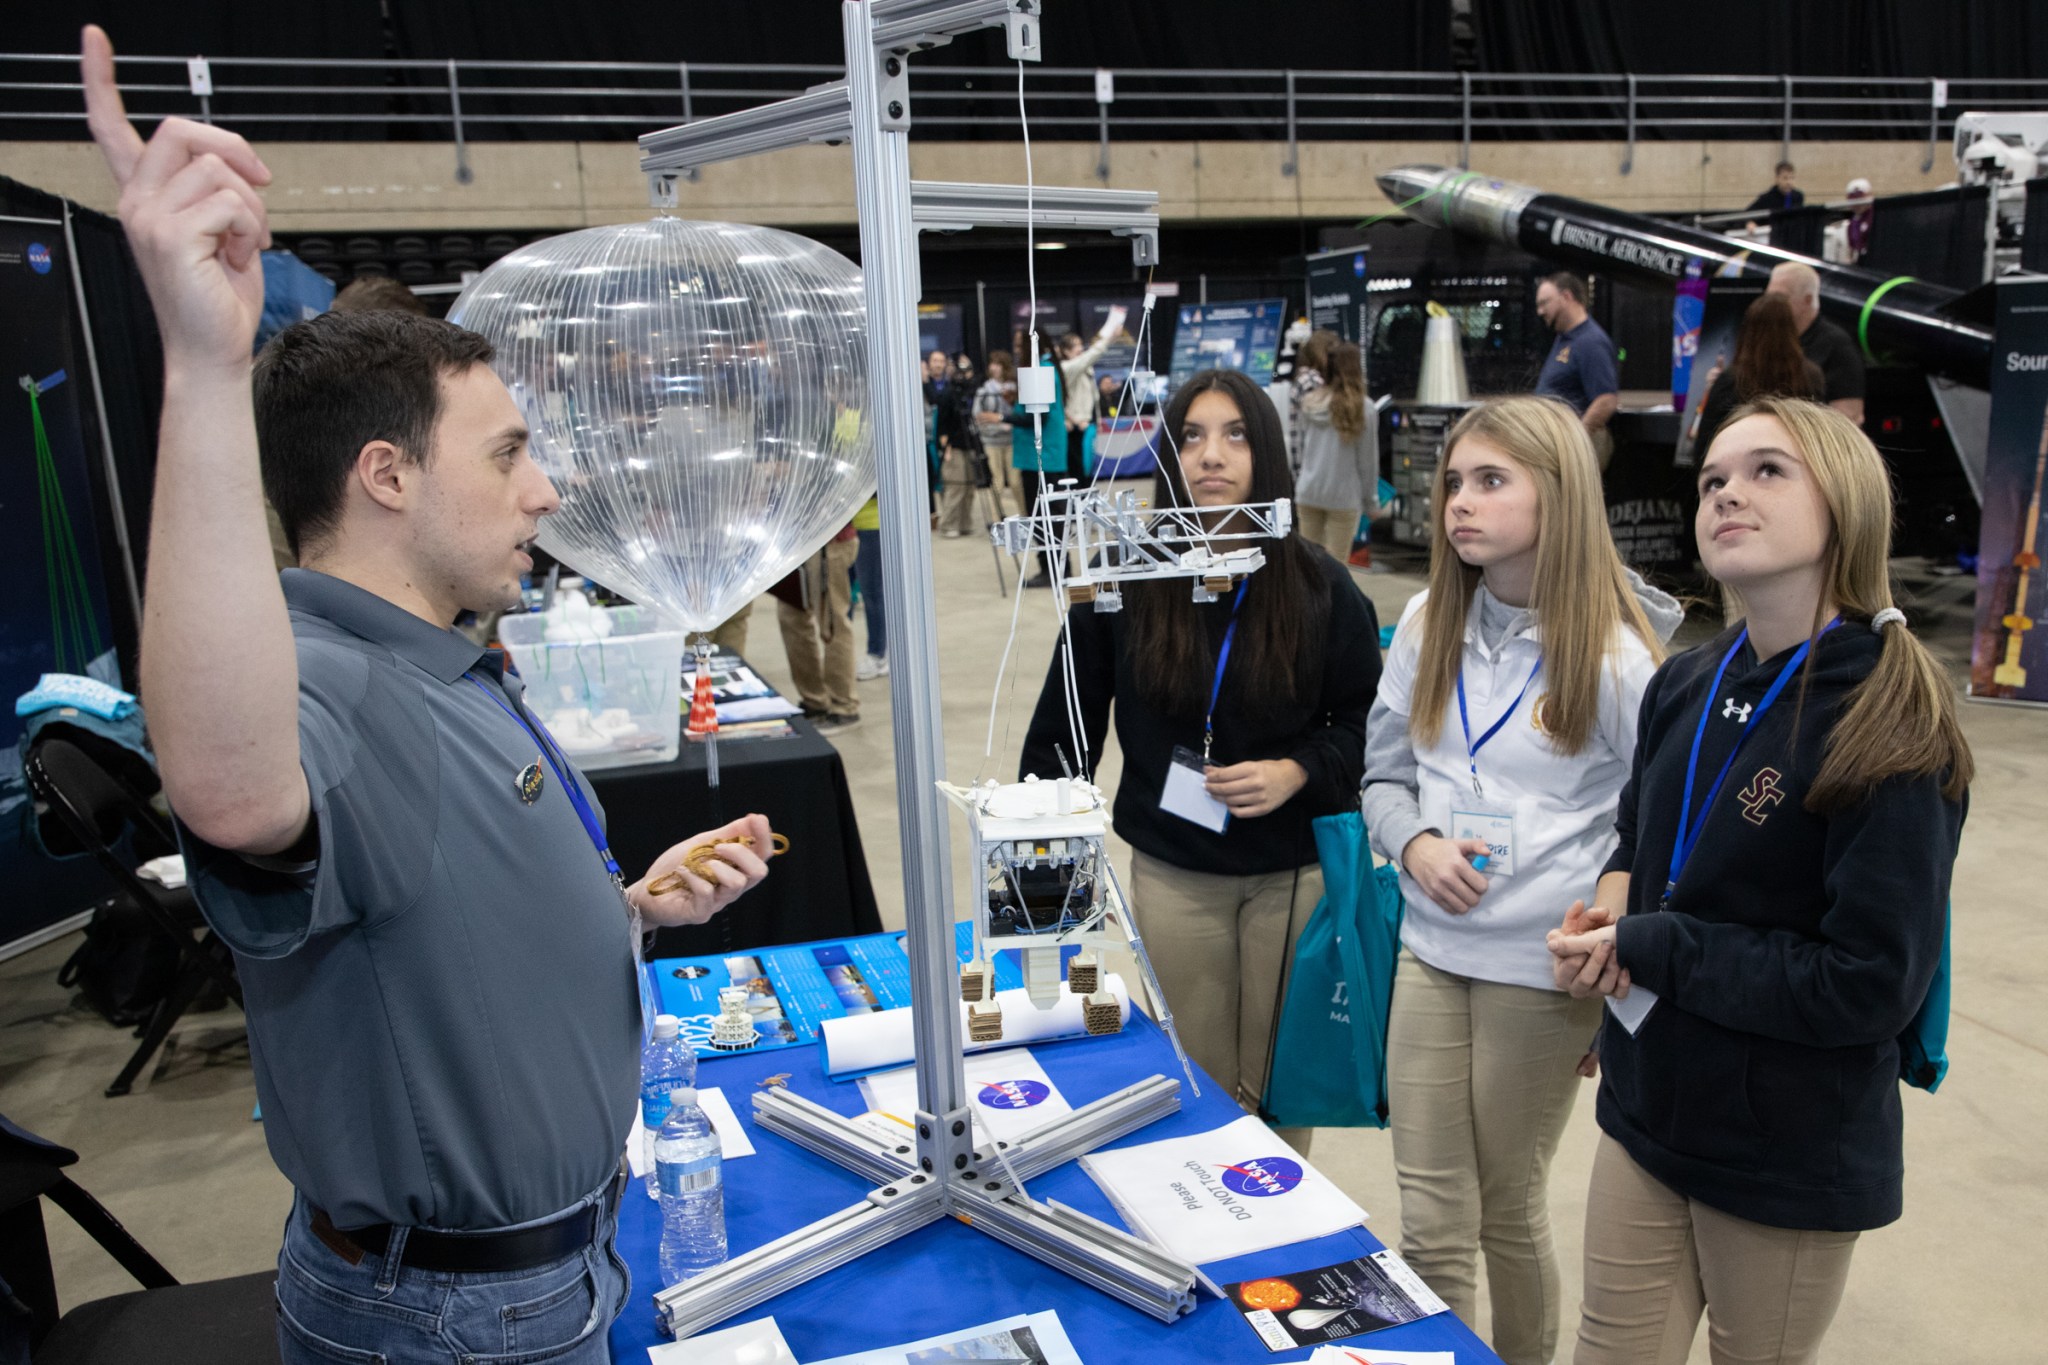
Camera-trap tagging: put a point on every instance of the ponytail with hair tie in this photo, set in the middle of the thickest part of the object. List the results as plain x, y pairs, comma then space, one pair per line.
1889, 616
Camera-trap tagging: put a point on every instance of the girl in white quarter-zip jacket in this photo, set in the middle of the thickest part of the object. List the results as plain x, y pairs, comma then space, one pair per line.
1496, 749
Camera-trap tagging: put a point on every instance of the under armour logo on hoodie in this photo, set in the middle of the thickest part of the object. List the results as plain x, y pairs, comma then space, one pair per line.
1734, 710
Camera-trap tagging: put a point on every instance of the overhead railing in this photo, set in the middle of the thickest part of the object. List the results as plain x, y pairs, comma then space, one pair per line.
472, 101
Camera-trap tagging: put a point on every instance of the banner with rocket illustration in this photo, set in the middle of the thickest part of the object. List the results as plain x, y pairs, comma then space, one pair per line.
2009, 658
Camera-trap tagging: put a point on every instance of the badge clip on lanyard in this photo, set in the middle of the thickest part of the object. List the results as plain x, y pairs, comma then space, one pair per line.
574, 791
1222, 661
1689, 829
1465, 720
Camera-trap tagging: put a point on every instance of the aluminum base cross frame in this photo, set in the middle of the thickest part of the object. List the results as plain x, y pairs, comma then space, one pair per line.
945, 1173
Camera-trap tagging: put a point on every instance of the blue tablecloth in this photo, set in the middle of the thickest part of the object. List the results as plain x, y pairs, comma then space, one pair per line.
946, 1276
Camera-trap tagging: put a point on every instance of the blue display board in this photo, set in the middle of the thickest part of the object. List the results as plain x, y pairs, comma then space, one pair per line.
1229, 336
791, 991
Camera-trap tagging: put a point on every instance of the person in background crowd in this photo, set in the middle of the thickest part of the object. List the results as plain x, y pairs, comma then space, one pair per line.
1337, 477
1783, 195
376, 291
1768, 364
959, 447
1825, 344
992, 402
1308, 377
818, 635
1041, 459
1860, 214
867, 571
1580, 369
938, 401
1778, 904
371, 817
1077, 385
1223, 884
1495, 752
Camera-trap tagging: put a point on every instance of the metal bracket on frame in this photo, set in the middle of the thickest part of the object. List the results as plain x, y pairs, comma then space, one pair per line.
946, 206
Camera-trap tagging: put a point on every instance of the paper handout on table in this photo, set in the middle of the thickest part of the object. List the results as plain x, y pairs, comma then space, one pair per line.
732, 1137
1010, 1092
756, 708
1227, 1192
1348, 1299
1367, 1355
861, 1043
1035, 1338
751, 1343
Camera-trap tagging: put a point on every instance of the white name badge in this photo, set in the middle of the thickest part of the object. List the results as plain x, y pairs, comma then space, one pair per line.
1186, 794
1496, 829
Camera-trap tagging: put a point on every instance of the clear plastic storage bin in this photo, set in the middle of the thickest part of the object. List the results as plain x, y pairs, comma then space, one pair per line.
609, 701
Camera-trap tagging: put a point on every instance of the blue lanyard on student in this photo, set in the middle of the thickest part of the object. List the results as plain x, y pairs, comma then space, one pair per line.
1465, 719
570, 786
1222, 659
1689, 829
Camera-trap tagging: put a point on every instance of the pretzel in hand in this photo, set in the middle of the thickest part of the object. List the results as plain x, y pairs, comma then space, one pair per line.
697, 861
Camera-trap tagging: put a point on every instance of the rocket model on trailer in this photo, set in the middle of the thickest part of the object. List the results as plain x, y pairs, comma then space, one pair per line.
1898, 314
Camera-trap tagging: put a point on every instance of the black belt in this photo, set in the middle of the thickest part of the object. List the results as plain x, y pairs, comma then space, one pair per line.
471, 1253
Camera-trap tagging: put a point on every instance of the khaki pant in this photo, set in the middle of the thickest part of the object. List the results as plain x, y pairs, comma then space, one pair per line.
1219, 945
1330, 527
731, 633
1655, 1260
820, 641
1481, 1078
956, 496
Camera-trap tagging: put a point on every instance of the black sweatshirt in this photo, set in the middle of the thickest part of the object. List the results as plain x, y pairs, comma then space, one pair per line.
1794, 950
1327, 739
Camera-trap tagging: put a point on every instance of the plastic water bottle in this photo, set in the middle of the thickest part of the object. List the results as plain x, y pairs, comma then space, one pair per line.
666, 1063
689, 1167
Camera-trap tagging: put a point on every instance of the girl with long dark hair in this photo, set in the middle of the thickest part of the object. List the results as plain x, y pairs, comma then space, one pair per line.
1291, 658
1768, 364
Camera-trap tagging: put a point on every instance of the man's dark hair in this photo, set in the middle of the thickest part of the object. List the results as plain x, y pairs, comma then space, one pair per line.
377, 291
1564, 282
1785, 166
329, 386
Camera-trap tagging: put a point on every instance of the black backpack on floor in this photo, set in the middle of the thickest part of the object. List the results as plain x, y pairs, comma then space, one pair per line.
126, 964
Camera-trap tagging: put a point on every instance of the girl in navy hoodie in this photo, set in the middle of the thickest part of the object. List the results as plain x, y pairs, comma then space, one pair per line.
1772, 917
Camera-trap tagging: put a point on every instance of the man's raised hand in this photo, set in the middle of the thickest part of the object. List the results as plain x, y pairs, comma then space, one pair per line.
192, 215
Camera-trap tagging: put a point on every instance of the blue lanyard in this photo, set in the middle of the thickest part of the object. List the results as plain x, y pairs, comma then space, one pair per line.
1689, 829
1465, 719
570, 786
1222, 659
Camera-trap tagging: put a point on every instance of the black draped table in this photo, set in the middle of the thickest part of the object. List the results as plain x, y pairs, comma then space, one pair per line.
819, 889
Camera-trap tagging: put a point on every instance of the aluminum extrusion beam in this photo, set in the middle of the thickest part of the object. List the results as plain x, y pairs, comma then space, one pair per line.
945, 206
900, 25
787, 1262
1900, 315
1091, 1251
1082, 1131
821, 114
838, 1139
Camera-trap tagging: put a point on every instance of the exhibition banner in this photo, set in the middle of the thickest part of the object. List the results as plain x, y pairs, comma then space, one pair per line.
2007, 659
1337, 292
1728, 298
1229, 336
1688, 312
55, 616
941, 327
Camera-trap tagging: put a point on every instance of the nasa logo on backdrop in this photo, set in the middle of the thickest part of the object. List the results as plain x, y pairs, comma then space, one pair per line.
39, 258
1014, 1094
1262, 1177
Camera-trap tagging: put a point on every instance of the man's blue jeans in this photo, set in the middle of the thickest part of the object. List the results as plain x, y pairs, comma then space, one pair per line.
330, 1310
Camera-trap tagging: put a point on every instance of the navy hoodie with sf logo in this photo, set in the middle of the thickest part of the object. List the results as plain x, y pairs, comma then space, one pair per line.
1794, 950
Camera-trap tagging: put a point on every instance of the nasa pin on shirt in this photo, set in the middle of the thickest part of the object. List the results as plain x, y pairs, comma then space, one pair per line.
1008, 1092
1228, 1192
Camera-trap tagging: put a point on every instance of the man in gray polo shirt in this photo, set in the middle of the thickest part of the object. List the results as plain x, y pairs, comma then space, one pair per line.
435, 949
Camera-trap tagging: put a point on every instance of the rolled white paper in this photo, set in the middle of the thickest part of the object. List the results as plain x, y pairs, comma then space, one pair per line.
860, 1043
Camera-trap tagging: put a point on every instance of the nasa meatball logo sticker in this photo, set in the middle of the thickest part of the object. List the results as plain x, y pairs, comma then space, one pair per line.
1013, 1094
1262, 1177
39, 258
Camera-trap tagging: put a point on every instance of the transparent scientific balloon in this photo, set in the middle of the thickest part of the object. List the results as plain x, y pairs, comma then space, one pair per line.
696, 392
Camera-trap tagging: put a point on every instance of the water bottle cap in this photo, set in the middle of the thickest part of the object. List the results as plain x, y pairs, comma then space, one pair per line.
667, 1026
682, 1095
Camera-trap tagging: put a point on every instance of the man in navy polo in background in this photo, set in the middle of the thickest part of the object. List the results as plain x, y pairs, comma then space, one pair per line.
1580, 369
435, 947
